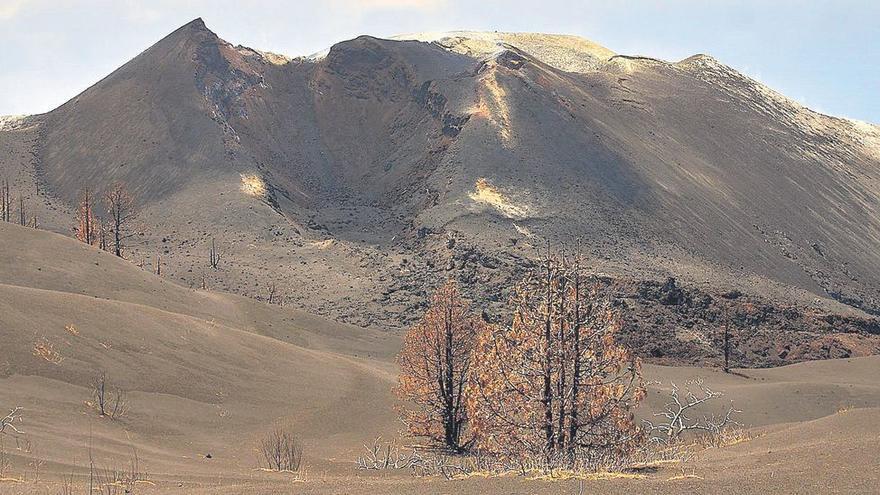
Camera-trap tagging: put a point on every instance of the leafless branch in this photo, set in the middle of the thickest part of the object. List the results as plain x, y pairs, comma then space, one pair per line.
7, 423
676, 419
385, 455
109, 402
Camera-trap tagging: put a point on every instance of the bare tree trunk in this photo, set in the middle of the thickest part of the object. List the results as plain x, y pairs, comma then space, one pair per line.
120, 205
22, 217
726, 348
117, 239
88, 220
576, 364
86, 229
448, 383
214, 255
562, 361
547, 393
5, 201
91, 463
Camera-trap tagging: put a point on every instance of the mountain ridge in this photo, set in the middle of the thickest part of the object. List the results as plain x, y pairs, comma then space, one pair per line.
397, 155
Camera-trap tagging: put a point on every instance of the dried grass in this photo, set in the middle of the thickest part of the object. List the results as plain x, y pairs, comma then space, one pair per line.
45, 349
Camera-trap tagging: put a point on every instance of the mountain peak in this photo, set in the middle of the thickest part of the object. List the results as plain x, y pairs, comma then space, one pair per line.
193, 28
196, 23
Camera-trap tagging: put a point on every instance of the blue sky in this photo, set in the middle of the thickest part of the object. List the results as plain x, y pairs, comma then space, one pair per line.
825, 54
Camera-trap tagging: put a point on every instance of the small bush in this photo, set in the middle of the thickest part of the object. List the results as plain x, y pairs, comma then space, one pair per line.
282, 450
114, 479
387, 455
110, 402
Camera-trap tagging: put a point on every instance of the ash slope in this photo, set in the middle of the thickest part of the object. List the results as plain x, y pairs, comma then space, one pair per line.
357, 180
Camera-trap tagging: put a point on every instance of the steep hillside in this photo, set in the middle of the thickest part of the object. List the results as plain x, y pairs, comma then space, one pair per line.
357, 180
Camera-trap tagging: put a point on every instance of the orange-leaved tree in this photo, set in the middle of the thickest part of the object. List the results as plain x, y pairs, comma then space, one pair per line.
435, 365
554, 386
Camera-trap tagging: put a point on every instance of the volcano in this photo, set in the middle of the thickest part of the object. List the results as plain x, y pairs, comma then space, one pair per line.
359, 178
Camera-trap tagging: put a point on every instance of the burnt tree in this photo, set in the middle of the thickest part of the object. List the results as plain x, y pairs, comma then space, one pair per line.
435, 368
87, 225
120, 207
214, 255
5, 201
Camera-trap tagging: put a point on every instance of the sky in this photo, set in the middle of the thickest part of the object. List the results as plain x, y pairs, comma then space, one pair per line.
824, 54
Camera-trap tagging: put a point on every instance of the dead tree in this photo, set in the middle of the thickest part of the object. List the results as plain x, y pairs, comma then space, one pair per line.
273, 296
108, 402
5, 201
159, 265
120, 206
675, 418
727, 348
86, 224
214, 255
7, 423
554, 385
435, 368
22, 216
103, 235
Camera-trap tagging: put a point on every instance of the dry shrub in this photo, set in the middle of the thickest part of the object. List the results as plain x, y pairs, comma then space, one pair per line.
845, 409
66, 487
71, 329
390, 455
5, 460
9, 429
387, 455
45, 349
36, 466
116, 480
725, 437
457, 466
538, 467
281, 450
109, 401
684, 474
429, 462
